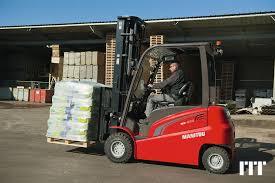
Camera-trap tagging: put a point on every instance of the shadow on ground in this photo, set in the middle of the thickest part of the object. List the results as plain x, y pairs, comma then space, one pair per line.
96, 149
248, 149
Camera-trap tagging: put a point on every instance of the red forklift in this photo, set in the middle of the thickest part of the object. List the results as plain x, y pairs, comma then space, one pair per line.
192, 130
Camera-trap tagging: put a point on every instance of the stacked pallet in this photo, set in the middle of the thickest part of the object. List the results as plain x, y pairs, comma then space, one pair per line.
110, 58
87, 65
70, 113
268, 110
163, 71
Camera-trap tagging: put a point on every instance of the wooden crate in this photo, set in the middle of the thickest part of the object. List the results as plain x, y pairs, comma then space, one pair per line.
110, 58
70, 142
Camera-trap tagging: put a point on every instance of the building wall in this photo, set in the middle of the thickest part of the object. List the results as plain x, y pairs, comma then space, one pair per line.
24, 63
254, 72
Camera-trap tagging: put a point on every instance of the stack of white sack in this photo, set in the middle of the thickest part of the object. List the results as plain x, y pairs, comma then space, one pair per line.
70, 113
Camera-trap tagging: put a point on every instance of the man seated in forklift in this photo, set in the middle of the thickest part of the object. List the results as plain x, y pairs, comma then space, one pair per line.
170, 88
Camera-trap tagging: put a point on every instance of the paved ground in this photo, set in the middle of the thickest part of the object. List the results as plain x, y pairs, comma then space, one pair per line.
26, 157
254, 117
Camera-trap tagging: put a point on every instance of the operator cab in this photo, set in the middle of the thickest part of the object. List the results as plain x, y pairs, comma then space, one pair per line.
193, 58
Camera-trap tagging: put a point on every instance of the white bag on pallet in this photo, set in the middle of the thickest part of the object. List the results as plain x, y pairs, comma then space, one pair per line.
70, 113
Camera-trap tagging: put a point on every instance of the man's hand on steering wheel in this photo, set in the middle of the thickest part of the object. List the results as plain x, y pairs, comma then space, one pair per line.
149, 88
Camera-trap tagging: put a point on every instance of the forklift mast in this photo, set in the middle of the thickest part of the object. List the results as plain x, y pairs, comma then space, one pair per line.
129, 37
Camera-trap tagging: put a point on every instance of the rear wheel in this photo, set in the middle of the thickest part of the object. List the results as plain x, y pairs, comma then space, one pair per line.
216, 160
119, 148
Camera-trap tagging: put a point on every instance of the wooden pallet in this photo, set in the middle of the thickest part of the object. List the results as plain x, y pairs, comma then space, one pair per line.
110, 58
156, 39
69, 142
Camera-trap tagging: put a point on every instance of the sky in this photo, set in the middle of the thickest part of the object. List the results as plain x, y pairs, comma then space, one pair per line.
32, 12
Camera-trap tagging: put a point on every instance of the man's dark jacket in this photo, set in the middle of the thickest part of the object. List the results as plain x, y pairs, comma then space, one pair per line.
172, 85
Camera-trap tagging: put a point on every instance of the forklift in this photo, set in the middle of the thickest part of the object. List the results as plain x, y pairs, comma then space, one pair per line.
192, 130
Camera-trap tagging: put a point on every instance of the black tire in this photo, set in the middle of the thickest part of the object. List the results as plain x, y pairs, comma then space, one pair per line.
221, 155
120, 138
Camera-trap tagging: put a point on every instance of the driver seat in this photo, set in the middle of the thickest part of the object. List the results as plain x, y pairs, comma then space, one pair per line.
185, 94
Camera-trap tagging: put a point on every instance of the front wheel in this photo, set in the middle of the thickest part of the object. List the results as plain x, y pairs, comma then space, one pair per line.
216, 160
119, 147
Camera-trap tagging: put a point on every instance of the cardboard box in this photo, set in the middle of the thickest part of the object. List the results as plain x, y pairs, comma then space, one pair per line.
88, 55
71, 58
89, 72
82, 58
76, 71
57, 60
70, 71
66, 58
77, 58
65, 71
82, 73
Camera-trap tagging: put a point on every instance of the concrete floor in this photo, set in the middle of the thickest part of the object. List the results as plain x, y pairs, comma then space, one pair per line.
26, 157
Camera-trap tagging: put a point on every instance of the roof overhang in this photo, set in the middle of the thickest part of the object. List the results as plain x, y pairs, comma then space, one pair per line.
149, 21
245, 28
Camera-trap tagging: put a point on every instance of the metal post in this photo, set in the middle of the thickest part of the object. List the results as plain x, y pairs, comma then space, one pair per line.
274, 79
129, 36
